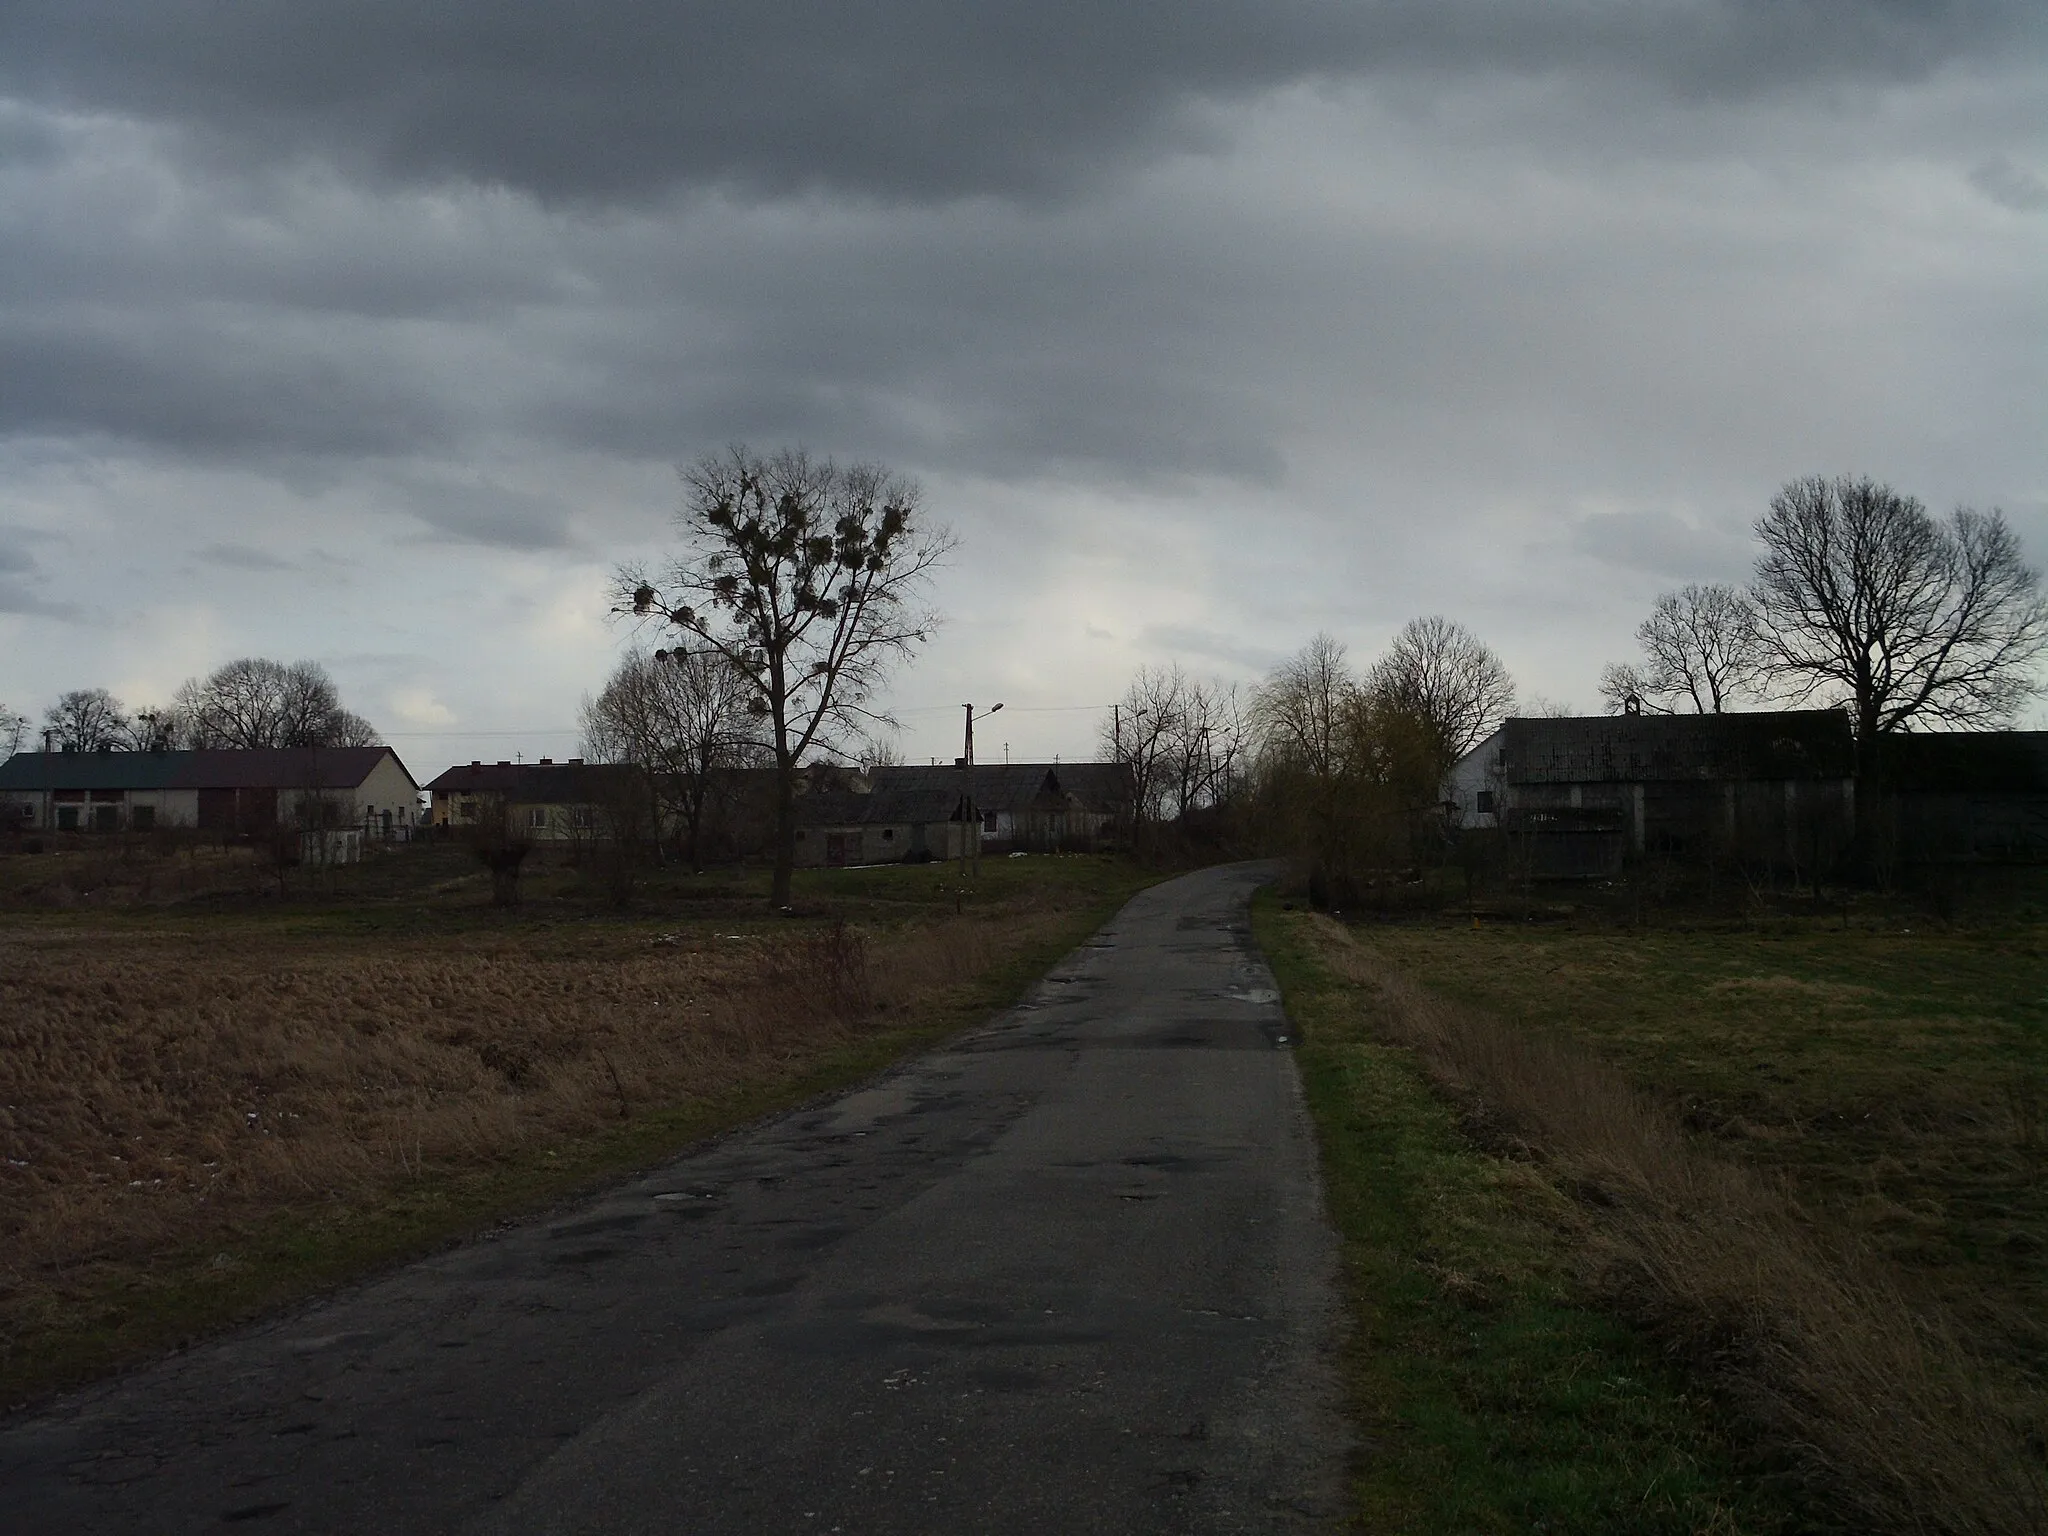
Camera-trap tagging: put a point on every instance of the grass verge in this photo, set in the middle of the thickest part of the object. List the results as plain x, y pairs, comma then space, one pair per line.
523, 1066
1492, 1395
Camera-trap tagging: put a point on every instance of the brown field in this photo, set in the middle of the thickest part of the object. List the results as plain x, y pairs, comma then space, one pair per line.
177, 1089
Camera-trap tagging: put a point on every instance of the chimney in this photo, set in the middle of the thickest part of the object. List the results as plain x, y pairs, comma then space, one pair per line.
575, 762
504, 762
547, 762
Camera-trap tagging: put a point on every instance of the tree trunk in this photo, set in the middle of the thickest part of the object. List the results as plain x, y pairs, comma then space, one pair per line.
785, 833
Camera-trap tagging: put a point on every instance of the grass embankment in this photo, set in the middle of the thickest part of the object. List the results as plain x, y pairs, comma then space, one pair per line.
1805, 1161
1492, 1394
207, 1112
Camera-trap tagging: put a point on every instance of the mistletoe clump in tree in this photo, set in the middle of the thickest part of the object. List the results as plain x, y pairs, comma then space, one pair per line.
807, 579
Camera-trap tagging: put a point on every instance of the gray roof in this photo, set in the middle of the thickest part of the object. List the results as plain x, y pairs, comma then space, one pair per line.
914, 795
209, 768
1635, 749
572, 783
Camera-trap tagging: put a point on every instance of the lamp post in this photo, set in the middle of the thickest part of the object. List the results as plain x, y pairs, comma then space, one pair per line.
971, 829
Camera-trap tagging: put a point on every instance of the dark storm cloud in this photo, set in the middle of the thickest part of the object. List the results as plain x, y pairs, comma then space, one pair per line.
914, 99
205, 383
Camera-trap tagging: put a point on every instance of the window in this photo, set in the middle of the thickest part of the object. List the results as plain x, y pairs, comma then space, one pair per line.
888, 834
67, 818
1486, 802
142, 818
537, 817
106, 817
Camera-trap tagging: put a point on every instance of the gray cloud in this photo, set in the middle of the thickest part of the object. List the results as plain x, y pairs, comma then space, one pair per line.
2011, 185
23, 587
242, 557
1209, 327
917, 99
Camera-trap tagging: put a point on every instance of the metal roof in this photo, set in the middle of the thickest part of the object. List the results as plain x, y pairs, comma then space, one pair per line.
208, 768
1635, 749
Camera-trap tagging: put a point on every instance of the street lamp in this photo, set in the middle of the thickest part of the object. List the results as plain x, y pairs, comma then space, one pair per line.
972, 830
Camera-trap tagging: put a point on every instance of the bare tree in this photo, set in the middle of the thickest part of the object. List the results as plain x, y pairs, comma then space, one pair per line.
1299, 710
255, 703
1865, 600
151, 730
88, 720
1700, 647
681, 717
805, 577
1437, 671
13, 732
1210, 743
1139, 737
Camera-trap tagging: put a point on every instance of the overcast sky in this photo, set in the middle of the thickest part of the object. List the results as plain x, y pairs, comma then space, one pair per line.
373, 332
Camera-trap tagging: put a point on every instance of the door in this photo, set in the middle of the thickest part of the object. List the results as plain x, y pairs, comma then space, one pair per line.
835, 848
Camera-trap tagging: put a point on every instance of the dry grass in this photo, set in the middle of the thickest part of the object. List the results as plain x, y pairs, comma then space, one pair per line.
162, 1091
1832, 1352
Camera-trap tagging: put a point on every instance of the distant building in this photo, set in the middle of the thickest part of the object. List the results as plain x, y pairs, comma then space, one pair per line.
1578, 797
1963, 797
1775, 789
1047, 807
543, 802
890, 814
217, 789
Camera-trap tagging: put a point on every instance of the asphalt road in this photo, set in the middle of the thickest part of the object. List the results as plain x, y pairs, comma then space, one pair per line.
1069, 1274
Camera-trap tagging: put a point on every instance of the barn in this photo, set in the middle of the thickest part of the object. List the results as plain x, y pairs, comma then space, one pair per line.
223, 790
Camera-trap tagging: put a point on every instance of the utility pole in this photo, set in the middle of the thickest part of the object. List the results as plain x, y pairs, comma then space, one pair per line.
971, 827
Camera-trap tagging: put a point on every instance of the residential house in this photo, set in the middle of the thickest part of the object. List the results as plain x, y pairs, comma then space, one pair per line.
882, 816
1047, 807
898, 813
543, 802
227, 790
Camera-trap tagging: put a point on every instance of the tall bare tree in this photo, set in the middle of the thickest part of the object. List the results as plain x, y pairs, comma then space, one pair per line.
255, 703
1700, 648
87, 720
1139, 737
1438, 672
1299, 710
1863, 599
681, 717
1182, 743
1211, 739
808, 578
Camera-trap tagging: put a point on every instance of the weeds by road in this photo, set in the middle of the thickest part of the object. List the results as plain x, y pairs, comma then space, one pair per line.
1493, 1394
208, 1109
1878, 1379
